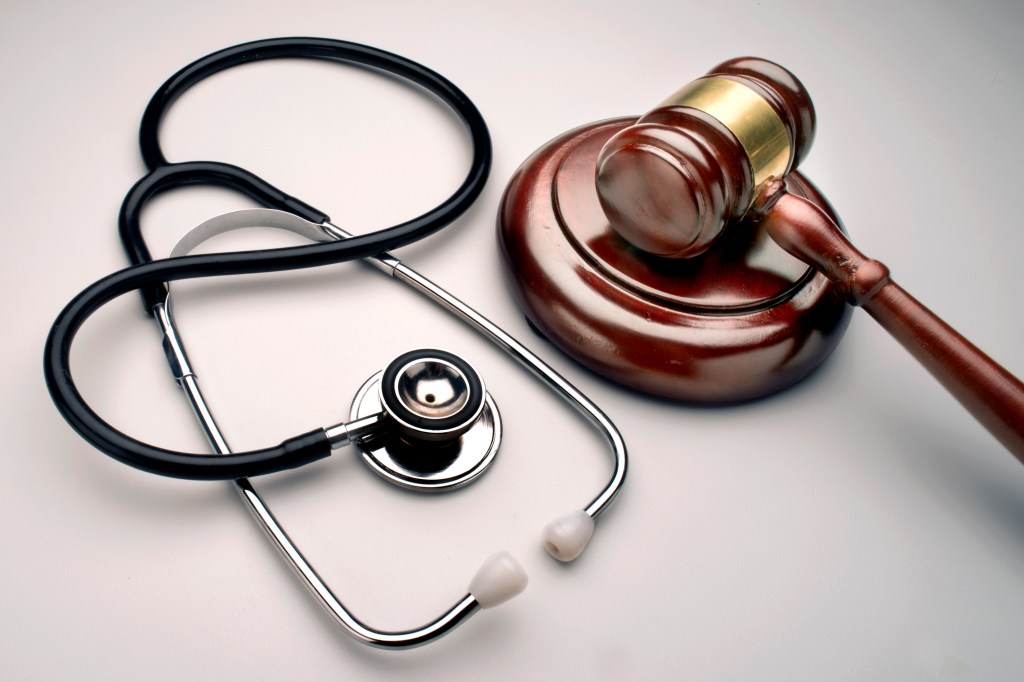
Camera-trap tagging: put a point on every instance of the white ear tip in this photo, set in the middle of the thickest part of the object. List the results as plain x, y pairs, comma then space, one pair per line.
498, 580
566, 537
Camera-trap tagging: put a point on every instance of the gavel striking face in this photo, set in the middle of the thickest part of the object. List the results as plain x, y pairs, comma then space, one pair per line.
614, 234
671, 182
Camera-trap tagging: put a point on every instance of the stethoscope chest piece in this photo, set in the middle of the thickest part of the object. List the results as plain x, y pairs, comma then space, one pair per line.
444, 428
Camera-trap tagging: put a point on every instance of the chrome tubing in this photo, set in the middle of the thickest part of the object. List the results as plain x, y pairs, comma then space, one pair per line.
390, 265
186, 378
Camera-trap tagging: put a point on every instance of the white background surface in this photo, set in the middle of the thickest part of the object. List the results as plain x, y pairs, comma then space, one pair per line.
859, 526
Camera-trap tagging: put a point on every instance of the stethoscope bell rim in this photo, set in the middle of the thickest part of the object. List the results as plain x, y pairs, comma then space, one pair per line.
431, 395
441, 435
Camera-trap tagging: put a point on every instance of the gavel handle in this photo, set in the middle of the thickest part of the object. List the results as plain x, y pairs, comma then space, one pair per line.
991, 394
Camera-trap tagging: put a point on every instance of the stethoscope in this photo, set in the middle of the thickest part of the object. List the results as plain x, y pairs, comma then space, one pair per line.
425, 422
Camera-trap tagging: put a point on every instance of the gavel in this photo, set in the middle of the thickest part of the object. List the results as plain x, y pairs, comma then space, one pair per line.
718, 155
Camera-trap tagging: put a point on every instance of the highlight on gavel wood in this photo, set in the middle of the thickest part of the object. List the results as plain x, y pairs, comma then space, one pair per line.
721, 147
741, 321
670, 182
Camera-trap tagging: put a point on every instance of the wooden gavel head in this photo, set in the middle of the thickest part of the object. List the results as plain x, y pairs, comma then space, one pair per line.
671, 182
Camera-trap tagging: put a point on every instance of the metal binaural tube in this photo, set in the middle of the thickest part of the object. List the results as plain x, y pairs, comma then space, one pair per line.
540, 369
314, 583
390, 265
355, 628
342, 434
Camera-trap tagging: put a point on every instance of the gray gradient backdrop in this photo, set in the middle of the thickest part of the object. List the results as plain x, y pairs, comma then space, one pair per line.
751, 543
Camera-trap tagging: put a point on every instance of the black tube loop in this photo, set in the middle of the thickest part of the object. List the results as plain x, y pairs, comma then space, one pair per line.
151, 276
173, 175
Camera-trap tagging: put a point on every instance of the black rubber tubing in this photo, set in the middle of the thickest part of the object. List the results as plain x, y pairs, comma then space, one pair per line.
151, 276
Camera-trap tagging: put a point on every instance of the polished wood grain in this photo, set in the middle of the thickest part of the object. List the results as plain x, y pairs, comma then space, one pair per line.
742, 321
648, 250
990, 393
